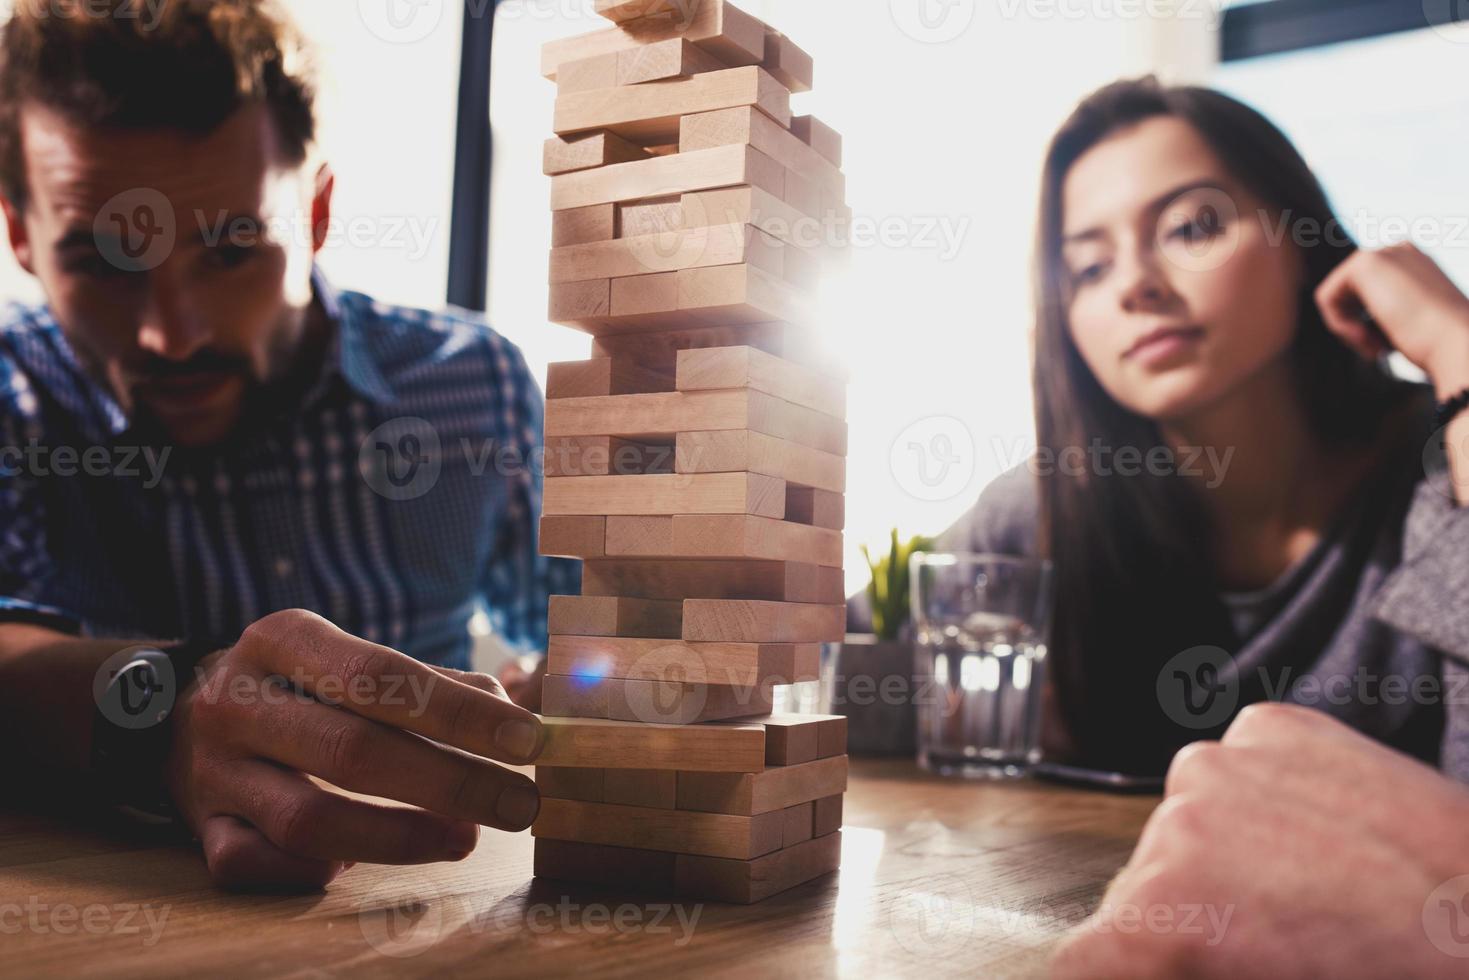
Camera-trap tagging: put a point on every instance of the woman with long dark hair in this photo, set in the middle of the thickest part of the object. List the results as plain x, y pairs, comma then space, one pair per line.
1238, 496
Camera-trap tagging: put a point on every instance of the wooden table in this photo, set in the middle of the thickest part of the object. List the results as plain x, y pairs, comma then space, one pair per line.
938, 878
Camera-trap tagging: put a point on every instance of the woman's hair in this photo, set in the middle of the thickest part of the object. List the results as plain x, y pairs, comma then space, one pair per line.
1134, 579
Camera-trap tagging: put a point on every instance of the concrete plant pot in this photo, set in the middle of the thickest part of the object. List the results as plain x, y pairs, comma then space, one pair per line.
871, 682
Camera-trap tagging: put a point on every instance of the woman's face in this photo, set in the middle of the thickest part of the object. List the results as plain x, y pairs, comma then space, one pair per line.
1178, 294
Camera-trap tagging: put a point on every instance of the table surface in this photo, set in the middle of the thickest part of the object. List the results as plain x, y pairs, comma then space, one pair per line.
939, 877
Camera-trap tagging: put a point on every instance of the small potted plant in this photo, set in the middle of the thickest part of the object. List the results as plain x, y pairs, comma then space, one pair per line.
871, 677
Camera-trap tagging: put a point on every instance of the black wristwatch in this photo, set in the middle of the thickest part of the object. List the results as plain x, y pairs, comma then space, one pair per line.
1449, 410
136, 692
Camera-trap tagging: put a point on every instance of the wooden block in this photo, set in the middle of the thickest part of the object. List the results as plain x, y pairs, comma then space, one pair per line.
656, 293
680, 831
587, 74
790, 739
800, 268
723, 30
650, 217
758, 621
675, 58
665, 493
615, 616
742, 367
766, 211
743, 125
725, 664
827, 815
593, 743
620, 10
741, 294
762, 792
639, 537
774, 581
722, 880
784, 340
802, 193
572, 783
720, 166
668, 251
598, 864
573, 537
818, 508
583, 152
575, 226
604, 456
573, 697
576, 302
604, 376
742, 451
716, 536
675, 703
656, 788
725, 298
819, 136
790, 66
671, 413
652, 702
748, 537
651, 113
797, 824
831, 736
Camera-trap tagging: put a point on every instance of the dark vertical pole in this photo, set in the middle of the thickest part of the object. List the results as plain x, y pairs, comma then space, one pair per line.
469, 228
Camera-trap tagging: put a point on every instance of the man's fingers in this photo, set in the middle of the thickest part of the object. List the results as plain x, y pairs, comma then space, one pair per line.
484, 682
364, 757
241, 859
386, 686
306, 821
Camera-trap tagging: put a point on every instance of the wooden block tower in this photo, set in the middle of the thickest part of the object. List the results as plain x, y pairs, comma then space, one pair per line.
696, 463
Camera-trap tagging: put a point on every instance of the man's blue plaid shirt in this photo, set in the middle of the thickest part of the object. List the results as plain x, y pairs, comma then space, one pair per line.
397, 497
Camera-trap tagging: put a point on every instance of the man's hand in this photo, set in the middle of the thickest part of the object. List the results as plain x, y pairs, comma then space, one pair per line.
297, 697
1295, 847
524, 686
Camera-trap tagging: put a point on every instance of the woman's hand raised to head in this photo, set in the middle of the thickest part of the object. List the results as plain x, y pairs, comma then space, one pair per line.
1419, 310
1294, 847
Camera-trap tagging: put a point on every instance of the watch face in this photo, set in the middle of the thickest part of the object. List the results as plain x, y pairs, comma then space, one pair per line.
136, 688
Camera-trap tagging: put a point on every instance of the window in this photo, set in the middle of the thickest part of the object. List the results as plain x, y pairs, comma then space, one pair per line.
1385, 123
945, 129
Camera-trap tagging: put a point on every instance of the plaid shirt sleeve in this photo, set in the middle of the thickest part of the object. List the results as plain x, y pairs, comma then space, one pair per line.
27, 576
519, 582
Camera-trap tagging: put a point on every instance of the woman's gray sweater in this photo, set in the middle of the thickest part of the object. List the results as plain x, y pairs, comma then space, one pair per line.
1372, 626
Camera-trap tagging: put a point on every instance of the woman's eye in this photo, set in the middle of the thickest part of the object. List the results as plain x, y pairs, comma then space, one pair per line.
1206, 224
1087, 274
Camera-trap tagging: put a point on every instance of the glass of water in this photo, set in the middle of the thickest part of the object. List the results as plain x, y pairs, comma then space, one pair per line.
979, 661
